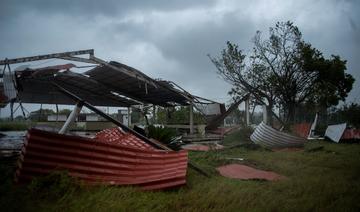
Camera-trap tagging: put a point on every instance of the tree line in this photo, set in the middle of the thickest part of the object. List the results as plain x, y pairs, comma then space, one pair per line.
285, 72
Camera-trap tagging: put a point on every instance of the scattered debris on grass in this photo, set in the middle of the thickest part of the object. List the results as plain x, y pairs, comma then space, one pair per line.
238, 171
269, 137
202, 147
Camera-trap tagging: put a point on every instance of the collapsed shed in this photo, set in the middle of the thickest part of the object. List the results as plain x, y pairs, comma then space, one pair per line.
107, 84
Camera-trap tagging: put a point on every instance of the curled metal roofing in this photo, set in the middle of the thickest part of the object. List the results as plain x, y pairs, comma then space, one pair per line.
150, 91
271, 138
115, 160
36, 86
101, 86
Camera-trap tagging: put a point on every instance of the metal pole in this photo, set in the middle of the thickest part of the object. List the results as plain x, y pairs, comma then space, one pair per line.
101, 113
191, 119
264, 109
57, 113
129, 117
71, 118
154, 114
46, 56
247, 114
145, 139
12, 110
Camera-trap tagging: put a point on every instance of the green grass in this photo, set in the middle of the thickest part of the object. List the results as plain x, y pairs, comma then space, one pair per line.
14, 125
323, 180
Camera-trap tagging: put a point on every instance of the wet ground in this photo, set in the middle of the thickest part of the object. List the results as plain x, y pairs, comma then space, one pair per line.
12, 139
15, 139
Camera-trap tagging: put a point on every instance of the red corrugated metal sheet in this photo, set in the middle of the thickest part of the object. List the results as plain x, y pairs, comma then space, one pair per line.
302, 129
117, 135
102, 160
351, 134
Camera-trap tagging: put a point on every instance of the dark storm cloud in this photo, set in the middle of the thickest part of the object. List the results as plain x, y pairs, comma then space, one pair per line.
90, 8
171, 39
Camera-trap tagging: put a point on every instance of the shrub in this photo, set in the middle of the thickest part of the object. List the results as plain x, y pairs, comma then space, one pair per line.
163, 134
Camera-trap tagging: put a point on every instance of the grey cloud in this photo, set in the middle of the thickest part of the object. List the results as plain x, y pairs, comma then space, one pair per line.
89, 8
165, 42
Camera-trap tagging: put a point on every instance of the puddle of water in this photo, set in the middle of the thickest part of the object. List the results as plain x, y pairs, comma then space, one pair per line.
12, 139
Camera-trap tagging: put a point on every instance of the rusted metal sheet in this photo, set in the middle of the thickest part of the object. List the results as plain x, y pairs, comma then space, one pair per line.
302, 129
351, 134
112, 157
269, 137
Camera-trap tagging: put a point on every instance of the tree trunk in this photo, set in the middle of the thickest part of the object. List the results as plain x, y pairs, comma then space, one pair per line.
290, 116
270, 115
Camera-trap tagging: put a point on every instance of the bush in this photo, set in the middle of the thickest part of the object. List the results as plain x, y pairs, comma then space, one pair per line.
163, 134
13, 126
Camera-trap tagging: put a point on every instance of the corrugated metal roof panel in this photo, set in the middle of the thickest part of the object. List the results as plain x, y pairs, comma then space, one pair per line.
95, 161
134, 87
268, 137
37, 87
9, 84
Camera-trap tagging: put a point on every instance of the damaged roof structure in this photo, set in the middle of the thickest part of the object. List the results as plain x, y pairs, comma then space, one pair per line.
107, 84
120, 158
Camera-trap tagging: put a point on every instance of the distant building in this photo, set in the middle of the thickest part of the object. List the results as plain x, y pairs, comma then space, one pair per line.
83, 117
124, 117
55, 117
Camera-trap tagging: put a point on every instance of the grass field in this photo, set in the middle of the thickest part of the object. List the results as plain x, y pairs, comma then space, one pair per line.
324, 180
14, 125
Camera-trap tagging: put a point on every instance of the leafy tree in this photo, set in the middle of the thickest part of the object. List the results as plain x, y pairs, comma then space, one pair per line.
178, 115
284, 70
65, 112
349, 113
19, 118
40, 115
136, 116
332, 83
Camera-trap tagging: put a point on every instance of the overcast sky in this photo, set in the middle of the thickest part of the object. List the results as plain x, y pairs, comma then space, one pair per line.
171, 39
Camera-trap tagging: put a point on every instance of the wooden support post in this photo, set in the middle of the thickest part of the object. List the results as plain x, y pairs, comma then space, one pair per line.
191, 119
247, 113
71, 118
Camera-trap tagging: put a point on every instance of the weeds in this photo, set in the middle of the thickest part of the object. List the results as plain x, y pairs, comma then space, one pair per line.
14, 126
